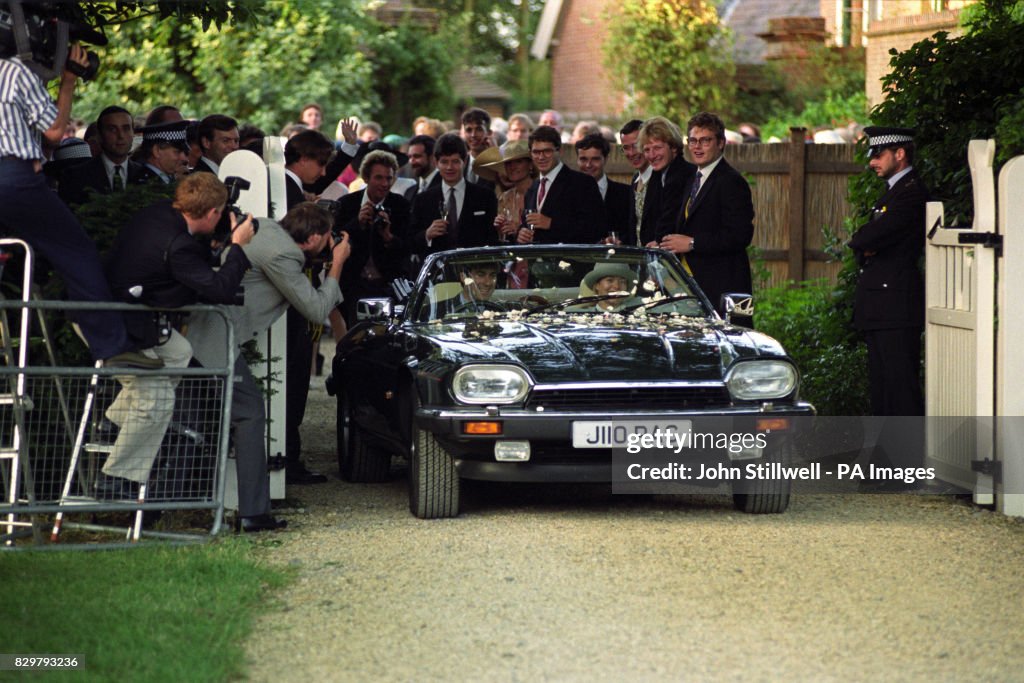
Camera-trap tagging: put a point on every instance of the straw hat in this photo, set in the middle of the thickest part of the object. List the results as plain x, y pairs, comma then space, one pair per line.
517, 149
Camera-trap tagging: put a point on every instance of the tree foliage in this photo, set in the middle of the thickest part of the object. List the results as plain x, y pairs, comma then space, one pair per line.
673, 55
953, 90
262, 72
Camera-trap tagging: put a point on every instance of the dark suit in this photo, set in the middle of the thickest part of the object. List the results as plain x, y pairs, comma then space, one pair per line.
294, 194
574, 205
889, 302
155, 251
475, 227
93, 174
202, 167
667, 193
721, 222
389, 259
335, 167
618, 206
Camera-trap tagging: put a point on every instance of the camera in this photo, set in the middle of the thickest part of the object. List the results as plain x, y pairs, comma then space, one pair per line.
235, 186
378, 219
332, 208
39, 33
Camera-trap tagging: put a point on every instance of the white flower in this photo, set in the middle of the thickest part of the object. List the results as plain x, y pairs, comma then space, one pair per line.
651, 286
564, 265
487, 315
611, 252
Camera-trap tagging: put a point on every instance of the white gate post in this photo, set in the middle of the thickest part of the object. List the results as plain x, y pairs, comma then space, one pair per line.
1010, 370
960, 337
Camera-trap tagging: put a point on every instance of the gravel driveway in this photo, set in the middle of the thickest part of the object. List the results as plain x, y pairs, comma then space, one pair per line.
575, 584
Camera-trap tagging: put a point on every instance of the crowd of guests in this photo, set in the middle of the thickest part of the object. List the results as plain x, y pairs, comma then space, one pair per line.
393, 201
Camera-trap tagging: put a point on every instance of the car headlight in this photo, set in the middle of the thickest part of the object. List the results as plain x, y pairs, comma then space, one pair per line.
490, 384
761, 380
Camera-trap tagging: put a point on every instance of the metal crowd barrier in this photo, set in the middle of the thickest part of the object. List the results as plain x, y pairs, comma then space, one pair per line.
58, 424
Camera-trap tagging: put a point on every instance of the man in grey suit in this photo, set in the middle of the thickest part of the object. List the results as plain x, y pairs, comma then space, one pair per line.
277, 254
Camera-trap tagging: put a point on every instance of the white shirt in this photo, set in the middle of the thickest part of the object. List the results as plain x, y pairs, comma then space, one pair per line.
602, 185
426, 180
896, 176
109, 166
460, 197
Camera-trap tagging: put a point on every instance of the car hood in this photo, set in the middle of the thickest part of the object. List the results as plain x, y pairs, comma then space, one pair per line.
564, 349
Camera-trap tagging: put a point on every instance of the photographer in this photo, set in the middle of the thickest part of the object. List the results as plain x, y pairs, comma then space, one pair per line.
157, 260
32, 212
278, 255
377, 221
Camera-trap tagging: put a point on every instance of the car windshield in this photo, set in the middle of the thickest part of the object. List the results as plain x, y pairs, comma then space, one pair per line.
521, 282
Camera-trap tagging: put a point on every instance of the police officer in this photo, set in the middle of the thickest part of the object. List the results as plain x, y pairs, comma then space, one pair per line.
889, 303
32, 212
157, 261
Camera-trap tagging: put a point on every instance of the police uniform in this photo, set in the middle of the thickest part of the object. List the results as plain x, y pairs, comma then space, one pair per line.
155, 261
889, 303
171, 133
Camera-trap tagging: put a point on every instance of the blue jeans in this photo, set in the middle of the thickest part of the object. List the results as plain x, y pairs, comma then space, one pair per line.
31, 211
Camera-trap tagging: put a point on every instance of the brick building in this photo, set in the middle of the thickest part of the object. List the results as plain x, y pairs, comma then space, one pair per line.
880, 25
571, 33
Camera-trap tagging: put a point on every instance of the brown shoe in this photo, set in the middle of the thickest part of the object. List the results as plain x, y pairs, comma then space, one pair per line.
133, 359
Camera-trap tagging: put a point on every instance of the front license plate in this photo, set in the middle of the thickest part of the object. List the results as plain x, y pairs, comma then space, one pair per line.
615, 434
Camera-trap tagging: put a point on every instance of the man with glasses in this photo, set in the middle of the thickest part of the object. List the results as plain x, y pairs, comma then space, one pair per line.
662, 145
716, 221
562, 205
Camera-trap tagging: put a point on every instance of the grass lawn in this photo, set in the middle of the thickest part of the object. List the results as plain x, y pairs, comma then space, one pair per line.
142, 614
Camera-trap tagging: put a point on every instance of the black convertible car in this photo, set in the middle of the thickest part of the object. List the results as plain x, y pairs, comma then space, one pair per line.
536, 363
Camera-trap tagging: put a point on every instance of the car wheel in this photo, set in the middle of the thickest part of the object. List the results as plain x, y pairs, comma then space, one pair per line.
357, 460
766, 496
433, 481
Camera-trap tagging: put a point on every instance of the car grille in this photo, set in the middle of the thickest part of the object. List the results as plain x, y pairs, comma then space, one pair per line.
635, 398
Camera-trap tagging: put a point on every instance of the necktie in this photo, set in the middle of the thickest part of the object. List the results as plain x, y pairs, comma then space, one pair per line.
542, 192
118, 180
453, 217
453, 207
639, 193
693, 193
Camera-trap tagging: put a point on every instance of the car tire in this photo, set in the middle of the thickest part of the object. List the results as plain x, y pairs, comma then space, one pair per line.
766, 496
357, 461
433, 480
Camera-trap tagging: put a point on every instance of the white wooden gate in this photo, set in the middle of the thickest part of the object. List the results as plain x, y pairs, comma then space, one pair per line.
264, 198
974, 390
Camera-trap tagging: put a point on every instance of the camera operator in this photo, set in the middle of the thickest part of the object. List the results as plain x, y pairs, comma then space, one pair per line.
278, 255
157, 260
32, 212
377, 221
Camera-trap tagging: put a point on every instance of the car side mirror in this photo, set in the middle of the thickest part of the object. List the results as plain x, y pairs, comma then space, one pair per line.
738, 309
379, 309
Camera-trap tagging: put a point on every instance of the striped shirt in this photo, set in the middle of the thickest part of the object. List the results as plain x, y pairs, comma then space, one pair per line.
26, 111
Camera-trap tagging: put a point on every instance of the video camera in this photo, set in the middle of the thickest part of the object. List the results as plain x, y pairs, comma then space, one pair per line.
39, 33
235, 186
